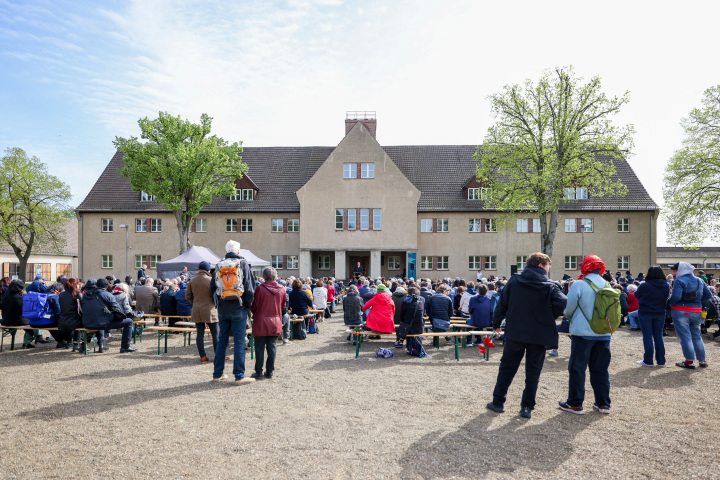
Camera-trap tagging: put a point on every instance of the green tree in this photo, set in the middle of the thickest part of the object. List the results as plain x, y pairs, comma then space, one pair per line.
34, 207
692, 178
182, 165
549, 137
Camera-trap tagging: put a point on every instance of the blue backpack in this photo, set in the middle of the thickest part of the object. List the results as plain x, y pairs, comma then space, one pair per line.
35, 308
312, 326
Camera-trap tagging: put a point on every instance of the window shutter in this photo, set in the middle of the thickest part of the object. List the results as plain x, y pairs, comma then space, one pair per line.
578, 228
370, 219
530, 225
147, 260
434, 265
434, 225
579, 262
6, 269
285, 225
147, 224
482, 262
358, 170
345, 218
284, 262
193, 227
482, 225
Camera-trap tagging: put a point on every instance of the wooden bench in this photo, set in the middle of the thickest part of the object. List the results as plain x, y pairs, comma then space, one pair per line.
85, 333
163, 331
11, 330
160, 316
303, 319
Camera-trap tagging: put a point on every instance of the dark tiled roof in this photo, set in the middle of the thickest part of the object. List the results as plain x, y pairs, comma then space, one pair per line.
439, 172
71, 242
713, 252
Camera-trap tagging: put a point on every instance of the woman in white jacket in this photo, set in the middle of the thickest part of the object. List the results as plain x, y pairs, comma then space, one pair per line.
319, 296
465, 299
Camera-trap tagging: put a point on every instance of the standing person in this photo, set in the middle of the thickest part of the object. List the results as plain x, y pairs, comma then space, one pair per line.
268, 308
530, 303
203, 311
141, 273
688, 293
330, 287
233, 313
651, 297
588, 349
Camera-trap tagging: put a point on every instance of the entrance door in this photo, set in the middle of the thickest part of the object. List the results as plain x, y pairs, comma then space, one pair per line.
353, 265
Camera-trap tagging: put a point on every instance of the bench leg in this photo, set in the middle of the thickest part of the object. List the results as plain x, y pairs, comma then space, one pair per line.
252, 347
159, 339
457, 350
291, 331
357, 345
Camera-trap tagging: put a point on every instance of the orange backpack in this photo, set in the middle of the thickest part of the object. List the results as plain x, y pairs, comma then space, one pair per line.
229, 279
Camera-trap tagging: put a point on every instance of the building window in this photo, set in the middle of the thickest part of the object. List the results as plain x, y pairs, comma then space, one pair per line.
442, 263
536, 225
237, 195
156, 225
490, 225
292, 262
277, 225
377, 219
426, 263
522, 225
293, 225
623, 262
352, 219
139, 261
426, 225
146, 197
475, 225
473, 194
393, 262
443, 224
339, 217
107, 225
485, 193
201, 225
248, 194
276, 261
63, 269
364, 218
154, 260
491, 262
587, 224
324, 262
576, 193
245, 225
521, 261
570, 225
231, 224
571, 262
475, 262
107, 261
350, 170
623, 224
368, 170
140, 225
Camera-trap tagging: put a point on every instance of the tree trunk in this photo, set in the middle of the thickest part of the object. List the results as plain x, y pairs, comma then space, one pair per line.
23, 257
182, 231
547, 232
22, 268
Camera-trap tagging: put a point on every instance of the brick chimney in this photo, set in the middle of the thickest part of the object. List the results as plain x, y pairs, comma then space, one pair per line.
366, 118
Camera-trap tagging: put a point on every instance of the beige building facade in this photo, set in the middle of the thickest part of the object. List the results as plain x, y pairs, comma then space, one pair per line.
398, 211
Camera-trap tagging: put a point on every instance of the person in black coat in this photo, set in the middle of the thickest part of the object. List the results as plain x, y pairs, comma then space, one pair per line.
70, 313
100, 310
12, 304
529, 303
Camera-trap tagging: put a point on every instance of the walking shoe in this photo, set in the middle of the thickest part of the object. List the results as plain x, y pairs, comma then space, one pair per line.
28, 345
220, 379
398, 344
691, 366
554, 353
257, 376
204, 359
245, 381
40, 339
525, 412
75, 347
286, 341
61, 344
567, 408
268, 375
494, 408
128, 350
703, 364
469, 344
642, 362
602, 408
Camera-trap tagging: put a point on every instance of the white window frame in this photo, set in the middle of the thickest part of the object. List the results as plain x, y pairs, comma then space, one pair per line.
377, 219
536, 225
367, 170
475, 262
571, 262
352, 219
491, 262
140, 225
587, 224
139, 261
246, 225
522, 225
156, 225
623, 225
393, 262
485, 193
231, 225
490, 225
473, 194
339, 219
443, 262
424, 265
475, 225
248, 194
623, 262
201, 225
276, 261
293, 225
570, 225
443, 225
107, 261
292, 262
107, 225
235, 197
154, 260
521, 261
350, 170
364, 219
426, 225
323, 262
276, 225
146, 197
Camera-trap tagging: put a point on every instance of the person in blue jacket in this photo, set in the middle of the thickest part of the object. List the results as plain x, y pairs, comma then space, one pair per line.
480, 307
37, 286
183, 307
686, 299
652, 297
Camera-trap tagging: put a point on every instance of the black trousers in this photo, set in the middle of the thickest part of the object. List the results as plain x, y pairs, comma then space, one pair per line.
261, 344
513, 353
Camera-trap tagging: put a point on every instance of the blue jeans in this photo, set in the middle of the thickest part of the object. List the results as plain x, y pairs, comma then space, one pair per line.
633, 318
687, 328
595, 356
652, 328
238, 322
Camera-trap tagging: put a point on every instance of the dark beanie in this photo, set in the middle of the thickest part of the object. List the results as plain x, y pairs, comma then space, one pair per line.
102, 283
91, 283
204, 266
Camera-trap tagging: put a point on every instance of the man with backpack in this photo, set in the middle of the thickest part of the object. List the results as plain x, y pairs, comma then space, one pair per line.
233, 289
688, 293
593, 310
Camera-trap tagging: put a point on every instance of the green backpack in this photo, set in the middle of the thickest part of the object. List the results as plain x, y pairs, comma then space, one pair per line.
606, 314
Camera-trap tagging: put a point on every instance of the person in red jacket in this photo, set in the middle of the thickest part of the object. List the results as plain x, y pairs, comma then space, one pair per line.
380, 317
268, 308
331, 294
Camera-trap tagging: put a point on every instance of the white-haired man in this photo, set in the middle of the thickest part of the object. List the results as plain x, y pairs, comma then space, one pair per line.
232, 315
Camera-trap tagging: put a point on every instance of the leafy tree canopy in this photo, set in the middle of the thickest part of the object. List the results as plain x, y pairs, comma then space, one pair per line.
550, 136
182, 165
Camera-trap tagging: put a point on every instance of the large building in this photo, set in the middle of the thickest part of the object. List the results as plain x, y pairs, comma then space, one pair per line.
44, 262
413, 210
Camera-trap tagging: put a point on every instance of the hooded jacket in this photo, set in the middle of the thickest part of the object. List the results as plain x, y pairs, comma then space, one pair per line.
652, 297
268, 308
352, 309
397, 297
479, 309
412, 309
380, 318
97, 306
12, 304
581, 300
530, 303
687, 282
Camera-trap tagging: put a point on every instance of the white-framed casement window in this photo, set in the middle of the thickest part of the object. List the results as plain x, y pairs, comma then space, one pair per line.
570, 225
231, 224
485, 193
490, 225
443, 224
107, 261
140, 225
107, 224
364, 219
352, 219
350, 170
426, 225
579, 193
367, 170
491, 262
139, 261
473, 194
475, 262
237, 195
393, 262
377, 219
277, 225
154, 260
146, 197
443, 262
246, 225
292, 262
248, 194
156, 225
339, 218
323, 262
293, 225
521, 261
587, 224
201, 225
623, 224
276, 261
623, 262
426, 263
536, 225
522, 225
475, 225
571, 262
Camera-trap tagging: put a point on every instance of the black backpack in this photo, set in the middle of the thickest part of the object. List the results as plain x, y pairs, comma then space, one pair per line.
299, 332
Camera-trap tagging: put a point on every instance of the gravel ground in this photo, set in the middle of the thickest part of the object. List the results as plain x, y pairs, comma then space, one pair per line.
328, 415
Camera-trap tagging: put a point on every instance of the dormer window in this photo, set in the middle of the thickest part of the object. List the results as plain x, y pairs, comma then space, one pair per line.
479, 193
576, 193
146, 197
243, 194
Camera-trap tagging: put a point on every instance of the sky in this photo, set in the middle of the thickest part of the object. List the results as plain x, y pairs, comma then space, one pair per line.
76, 74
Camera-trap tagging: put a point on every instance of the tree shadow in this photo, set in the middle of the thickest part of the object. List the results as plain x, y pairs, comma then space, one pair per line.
481, 448
654, 378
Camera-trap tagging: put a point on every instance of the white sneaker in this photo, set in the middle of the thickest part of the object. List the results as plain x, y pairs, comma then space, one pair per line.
286, 341
602, 408
642, 362
220, 379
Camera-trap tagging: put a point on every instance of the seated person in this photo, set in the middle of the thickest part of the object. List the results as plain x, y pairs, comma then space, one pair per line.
102, 312
440, 311
380, 317
12, 305
480, 313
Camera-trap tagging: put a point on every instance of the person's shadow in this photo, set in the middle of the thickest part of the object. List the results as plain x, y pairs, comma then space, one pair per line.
491, 443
